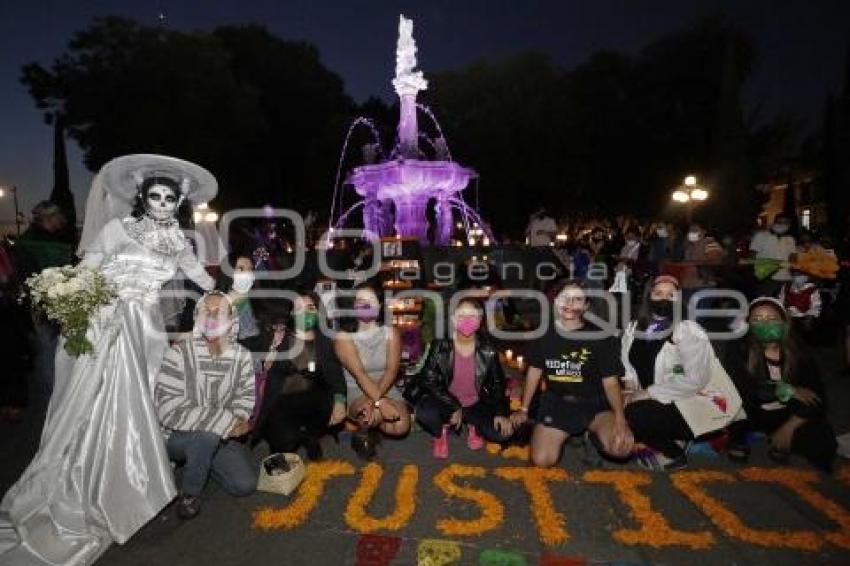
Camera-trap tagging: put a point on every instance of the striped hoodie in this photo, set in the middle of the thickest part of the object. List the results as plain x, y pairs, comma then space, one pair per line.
195, 391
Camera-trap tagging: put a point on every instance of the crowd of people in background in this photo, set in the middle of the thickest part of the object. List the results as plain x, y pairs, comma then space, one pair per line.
641, 395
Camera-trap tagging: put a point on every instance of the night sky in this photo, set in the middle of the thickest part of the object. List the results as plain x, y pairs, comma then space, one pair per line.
801, 47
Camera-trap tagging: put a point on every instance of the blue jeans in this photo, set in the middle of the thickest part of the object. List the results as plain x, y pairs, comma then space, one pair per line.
45, 339
204, 454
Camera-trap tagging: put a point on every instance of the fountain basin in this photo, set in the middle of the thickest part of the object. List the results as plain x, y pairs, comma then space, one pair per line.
406, 179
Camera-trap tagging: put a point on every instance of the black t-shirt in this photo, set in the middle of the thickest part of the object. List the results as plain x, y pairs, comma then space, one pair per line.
576, 366
642, 356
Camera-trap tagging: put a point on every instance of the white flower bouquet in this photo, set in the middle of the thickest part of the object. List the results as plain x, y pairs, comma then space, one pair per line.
70, 296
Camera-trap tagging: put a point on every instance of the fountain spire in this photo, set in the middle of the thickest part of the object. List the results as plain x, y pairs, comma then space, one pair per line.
407, 84
398, 191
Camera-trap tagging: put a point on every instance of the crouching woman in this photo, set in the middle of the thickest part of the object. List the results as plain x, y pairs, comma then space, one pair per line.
579, 365
677, 389
462, 383
782, 390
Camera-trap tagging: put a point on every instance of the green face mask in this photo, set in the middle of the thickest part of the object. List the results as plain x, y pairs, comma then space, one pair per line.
306, 321
767, 332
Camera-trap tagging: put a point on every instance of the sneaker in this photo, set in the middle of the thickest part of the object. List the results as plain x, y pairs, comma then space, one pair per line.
658, 462
441, 445
738, 452
678, 463
364, 446
473, 440
188, 507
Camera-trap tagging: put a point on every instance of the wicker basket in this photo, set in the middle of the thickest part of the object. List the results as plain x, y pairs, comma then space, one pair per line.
284, 483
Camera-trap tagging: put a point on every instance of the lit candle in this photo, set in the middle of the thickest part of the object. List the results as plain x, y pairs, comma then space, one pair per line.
509, 354
311, 366
519, 361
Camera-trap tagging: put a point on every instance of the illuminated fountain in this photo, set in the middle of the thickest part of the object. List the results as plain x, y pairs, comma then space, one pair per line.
396, 192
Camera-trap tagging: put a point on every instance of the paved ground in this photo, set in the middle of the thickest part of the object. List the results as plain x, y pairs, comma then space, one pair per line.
592, 515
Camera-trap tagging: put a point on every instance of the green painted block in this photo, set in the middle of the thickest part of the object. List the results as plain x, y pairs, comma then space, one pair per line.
495, 557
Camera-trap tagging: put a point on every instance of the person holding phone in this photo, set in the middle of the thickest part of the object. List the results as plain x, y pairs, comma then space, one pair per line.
305, 391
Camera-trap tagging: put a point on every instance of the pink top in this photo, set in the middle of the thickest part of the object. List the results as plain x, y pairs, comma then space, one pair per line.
463, 381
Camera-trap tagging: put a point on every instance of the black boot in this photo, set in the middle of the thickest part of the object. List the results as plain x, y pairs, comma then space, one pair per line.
188, 506
365, 445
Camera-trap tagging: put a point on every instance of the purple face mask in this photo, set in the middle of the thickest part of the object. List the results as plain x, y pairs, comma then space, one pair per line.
366, 312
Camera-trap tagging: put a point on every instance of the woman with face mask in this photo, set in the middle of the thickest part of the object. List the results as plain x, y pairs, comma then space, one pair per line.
305, 390
704, 254
783, 394
669, 364
660, 244
101, 422
576, 368
462, 383
370, 357
238, 288
777, 243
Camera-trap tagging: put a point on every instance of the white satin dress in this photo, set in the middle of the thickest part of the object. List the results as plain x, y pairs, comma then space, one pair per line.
102, 471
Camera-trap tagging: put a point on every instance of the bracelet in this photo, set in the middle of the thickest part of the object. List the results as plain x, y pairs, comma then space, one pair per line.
523, 410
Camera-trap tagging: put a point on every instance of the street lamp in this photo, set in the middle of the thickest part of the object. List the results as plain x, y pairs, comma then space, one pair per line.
14, 191
689, 193
203, 214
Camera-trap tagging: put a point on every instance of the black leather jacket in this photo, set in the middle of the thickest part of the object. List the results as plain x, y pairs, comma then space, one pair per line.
438, 372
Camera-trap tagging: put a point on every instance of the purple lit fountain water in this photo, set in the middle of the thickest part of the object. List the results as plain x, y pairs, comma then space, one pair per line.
396, 192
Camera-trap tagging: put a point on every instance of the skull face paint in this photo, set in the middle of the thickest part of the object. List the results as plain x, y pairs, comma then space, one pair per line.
161, 202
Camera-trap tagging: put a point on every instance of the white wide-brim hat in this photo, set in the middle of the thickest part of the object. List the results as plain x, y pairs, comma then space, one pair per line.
124, 175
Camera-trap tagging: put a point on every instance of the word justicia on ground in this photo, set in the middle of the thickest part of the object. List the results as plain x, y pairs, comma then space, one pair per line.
548, 496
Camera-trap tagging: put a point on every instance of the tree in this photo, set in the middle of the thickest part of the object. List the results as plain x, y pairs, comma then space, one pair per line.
256, 110
616, 133
508, 122
61, 193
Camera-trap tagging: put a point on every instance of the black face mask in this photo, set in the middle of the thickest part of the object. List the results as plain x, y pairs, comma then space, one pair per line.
662, 308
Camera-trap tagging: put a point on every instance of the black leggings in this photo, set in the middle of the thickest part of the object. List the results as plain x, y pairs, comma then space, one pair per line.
814, 440
296, 418
432, 414
658, 426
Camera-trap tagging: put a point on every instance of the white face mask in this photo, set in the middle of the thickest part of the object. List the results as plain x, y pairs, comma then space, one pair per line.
780, 228
661, 233
693, 236
800, 280
161, 203
243, 281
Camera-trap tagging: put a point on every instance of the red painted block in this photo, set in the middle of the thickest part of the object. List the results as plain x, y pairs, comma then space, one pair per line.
554, 560
376, 550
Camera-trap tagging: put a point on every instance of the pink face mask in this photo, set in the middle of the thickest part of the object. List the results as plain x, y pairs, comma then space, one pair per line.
468, 325
213, 327
366, 312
